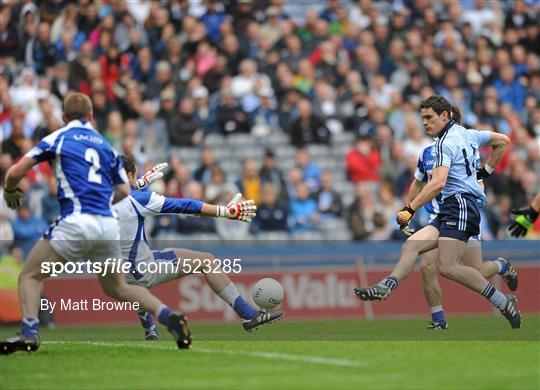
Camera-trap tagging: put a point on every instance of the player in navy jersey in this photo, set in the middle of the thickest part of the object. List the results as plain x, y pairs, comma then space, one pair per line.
89, 174
455, 176
473, 254
132, 212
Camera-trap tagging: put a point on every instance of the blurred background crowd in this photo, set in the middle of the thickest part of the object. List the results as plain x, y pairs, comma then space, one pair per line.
308, 107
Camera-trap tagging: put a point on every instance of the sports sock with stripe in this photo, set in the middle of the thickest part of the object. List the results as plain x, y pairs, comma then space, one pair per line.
30, 326
232, 296
437, 314
503, 266
497, 298
390, 282
163, 315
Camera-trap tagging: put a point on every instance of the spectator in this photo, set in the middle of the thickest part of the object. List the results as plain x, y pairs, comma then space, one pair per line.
231, 118
153, 132
271, 174
205, 115
308, 128
363, 161
311, 172
27, 229
218, 186
361, 212
185, 129
208, 160
509, 88
303, 215
39, 52
329, 201
14, 144
49, 203
115, 129
250, 182
270, 215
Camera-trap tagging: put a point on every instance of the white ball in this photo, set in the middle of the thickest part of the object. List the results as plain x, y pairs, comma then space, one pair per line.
267, 293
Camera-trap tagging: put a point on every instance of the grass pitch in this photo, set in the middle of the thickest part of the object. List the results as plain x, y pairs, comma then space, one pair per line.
477, 352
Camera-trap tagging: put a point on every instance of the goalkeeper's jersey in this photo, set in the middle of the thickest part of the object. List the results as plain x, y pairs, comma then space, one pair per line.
132, 212
423, 172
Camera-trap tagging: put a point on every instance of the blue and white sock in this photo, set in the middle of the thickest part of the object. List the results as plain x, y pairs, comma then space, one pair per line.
232, 296
437, 314
497, 298
163, 315
30, 326
502, 264
390, 282
147, 321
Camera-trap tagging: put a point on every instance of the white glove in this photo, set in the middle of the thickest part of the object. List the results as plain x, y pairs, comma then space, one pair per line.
13, 198
242, 210
151, 176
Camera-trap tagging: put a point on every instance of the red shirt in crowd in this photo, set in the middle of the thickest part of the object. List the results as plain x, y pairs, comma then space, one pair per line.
363, 167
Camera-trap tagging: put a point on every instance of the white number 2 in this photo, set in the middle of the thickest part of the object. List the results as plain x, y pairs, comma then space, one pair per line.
92, 156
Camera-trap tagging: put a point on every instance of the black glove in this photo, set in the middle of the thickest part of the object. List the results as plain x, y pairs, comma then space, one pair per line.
523, 222
481, 173
13, 198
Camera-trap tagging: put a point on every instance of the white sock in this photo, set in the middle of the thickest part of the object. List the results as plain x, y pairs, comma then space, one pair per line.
436, 309
229, 294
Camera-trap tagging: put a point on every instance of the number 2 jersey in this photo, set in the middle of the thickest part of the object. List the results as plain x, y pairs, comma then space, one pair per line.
86, 168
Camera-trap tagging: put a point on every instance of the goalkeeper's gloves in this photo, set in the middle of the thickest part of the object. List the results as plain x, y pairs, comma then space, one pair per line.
243, 210
13, 198
523, 222
404, 216
484, 172
151, 176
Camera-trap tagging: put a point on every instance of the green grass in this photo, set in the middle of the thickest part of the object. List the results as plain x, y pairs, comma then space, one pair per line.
477, 352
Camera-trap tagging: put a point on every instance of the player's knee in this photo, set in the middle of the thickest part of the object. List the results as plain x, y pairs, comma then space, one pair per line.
412, 246
447, 271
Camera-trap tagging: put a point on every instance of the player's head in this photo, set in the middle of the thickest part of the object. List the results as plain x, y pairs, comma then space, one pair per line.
130, 166
436, 112
77, 106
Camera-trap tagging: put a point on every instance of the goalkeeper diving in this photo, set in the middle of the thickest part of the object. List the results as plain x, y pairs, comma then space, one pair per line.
132, 212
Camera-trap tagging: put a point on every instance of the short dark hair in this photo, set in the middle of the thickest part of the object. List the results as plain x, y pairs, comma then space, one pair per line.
77, 106
439, 104
129, 164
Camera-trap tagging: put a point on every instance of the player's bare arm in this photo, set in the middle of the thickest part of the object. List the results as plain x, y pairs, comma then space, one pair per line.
12, 194
430, 191
499, 143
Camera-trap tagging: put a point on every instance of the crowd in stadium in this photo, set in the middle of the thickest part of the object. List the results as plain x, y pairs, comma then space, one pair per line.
165, 77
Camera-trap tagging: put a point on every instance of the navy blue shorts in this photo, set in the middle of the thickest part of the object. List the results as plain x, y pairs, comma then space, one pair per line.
458, 218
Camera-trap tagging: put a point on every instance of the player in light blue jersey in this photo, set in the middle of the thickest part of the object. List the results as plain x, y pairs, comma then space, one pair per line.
455, 176
89, 174
132, 212
473, 254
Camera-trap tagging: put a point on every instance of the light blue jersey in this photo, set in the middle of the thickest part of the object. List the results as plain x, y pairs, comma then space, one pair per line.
457, 149
86, 168
424, 169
